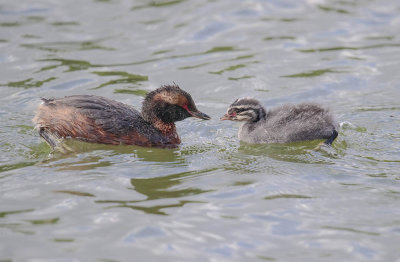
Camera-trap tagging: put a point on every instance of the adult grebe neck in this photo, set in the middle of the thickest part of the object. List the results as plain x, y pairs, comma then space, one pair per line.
168, 130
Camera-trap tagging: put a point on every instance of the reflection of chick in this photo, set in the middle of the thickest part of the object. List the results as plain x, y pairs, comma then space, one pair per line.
101, 120
287, 123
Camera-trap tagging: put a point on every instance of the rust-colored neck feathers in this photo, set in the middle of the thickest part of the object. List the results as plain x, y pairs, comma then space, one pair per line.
168, 130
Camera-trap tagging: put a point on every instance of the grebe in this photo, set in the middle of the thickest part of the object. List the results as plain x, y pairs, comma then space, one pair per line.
284, 124
100, 120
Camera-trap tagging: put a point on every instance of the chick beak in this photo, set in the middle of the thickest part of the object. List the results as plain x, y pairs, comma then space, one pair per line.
225, 117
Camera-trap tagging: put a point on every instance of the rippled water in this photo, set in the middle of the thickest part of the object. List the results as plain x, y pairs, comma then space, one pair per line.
212, 198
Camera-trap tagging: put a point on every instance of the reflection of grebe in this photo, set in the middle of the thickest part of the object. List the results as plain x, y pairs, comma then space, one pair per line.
101, 120
287, 123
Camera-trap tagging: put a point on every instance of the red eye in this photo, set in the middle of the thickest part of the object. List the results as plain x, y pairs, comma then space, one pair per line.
185, 106
233, 114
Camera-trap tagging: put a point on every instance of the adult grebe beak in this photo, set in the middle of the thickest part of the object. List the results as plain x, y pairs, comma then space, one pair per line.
196, 114
200, 115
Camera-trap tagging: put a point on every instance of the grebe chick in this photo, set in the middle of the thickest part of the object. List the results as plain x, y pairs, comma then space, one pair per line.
100, 120
284, 124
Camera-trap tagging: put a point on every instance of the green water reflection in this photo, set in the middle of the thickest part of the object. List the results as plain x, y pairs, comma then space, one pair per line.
75, 193
8, 167
69, 46
95, 155
158, 4
339, 48
7, 213
159, 188
333, 9
125, 78
29, 83
75, 65
44, 221
317, 72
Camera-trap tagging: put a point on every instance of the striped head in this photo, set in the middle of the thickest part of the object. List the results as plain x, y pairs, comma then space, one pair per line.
245, 109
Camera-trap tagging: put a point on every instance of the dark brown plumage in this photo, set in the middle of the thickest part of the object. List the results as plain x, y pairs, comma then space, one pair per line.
101, 120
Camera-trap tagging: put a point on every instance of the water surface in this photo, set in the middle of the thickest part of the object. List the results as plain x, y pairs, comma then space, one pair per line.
212, 198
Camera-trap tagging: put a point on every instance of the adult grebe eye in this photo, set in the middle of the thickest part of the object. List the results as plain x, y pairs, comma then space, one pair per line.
185, 106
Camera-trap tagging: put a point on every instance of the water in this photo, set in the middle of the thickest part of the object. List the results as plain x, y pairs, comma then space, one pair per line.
213, 198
